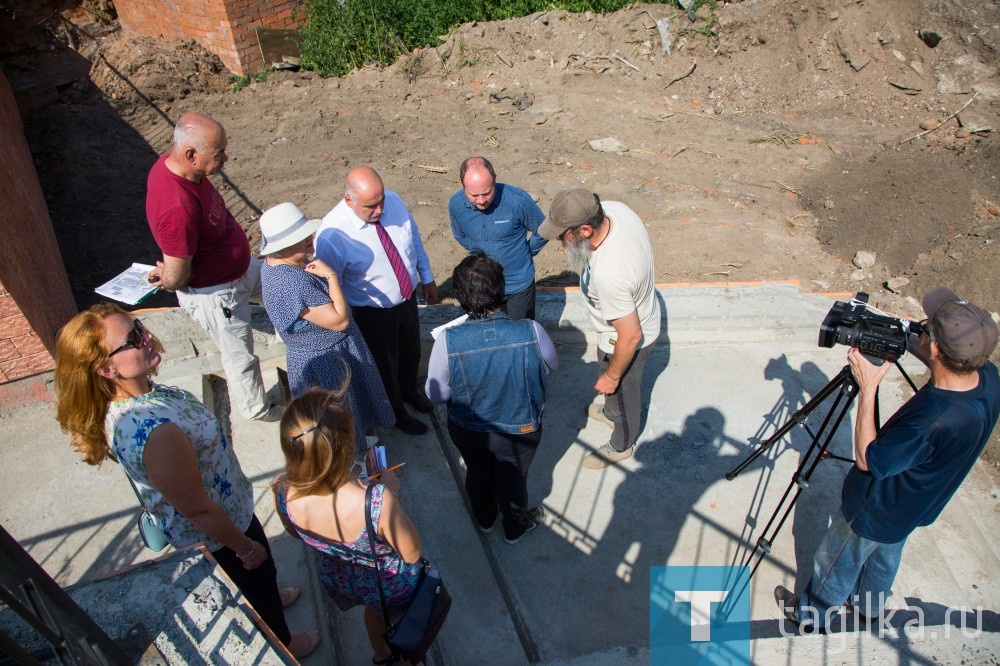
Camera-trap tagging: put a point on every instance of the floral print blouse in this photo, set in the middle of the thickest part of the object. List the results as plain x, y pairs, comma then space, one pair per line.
128, 425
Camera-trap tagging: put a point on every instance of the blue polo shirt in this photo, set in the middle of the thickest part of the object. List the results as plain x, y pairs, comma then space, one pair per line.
919, 458
501, 232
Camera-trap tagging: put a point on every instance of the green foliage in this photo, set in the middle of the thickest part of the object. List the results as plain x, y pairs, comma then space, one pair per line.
341, 35
241, 82
707, 29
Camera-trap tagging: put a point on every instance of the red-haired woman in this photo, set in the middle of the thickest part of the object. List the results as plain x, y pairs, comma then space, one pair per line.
172, 448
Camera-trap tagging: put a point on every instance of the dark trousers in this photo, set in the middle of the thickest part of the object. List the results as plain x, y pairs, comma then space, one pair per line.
260, 585
520, 305
624, 406
497, 465
393, 336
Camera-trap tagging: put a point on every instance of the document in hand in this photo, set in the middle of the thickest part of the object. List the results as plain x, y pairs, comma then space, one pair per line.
130, 287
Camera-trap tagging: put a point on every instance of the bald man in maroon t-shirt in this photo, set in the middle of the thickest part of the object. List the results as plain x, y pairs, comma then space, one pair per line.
206, 254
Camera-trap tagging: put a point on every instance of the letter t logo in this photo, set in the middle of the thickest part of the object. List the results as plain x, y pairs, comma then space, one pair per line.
701, 610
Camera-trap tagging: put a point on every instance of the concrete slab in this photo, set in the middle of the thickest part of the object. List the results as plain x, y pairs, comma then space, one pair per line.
733, 365
193, 617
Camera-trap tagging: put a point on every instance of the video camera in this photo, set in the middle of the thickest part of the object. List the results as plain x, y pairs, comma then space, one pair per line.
875, 335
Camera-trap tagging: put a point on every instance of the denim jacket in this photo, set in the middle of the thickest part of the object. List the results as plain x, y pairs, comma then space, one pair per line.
497, 375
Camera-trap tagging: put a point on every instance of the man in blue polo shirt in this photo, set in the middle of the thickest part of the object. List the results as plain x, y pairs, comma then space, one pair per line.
496, 220
906, 471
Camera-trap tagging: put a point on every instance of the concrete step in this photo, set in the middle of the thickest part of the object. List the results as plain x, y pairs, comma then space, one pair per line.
769, 313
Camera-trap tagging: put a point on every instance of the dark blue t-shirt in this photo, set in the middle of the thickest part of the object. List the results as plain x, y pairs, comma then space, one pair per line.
919, 458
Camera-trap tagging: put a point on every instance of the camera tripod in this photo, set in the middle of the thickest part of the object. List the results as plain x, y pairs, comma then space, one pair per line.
844, 389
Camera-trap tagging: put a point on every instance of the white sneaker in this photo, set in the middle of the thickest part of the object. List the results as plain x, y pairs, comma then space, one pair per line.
605, 457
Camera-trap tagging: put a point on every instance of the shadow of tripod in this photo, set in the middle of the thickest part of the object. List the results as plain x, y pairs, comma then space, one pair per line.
784, 407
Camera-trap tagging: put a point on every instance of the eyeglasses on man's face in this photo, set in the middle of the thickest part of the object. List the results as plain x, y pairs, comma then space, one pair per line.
137, 339
569, 230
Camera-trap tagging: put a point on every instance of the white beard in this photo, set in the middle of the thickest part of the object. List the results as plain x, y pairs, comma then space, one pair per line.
578, 253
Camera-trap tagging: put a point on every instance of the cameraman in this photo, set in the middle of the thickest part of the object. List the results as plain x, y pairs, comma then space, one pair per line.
906, 471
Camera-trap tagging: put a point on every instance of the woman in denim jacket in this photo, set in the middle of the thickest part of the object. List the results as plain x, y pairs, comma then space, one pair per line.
492, 372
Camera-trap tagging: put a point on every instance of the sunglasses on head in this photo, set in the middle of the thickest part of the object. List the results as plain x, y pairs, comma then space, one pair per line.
137, 339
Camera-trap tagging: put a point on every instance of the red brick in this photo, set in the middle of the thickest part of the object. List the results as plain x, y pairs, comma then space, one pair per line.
8, 352
27, 366
29, 344
14, 326
8, 307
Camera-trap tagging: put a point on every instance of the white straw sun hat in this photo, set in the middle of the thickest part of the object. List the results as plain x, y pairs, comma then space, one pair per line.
284, 226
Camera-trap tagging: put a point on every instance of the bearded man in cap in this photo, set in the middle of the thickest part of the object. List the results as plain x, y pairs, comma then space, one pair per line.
906, 471
610, 247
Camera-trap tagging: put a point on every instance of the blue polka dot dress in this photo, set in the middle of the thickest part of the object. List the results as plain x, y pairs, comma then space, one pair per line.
317, 356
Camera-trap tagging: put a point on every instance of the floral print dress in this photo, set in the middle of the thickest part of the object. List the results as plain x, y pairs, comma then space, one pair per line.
348, 572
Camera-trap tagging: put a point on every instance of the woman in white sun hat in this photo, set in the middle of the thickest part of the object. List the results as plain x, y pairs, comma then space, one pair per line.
323, 345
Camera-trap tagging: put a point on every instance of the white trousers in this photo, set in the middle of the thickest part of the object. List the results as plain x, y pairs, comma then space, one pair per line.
223, 310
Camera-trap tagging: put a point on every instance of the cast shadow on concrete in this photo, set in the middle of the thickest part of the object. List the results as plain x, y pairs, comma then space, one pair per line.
614, 534
571, 399
124, 547
180, 599
909, 625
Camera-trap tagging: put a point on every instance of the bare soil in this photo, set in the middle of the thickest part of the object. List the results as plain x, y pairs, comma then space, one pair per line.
792, 144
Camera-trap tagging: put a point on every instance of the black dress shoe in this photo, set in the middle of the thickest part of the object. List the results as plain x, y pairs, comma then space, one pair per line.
410, 425
788, 603
419, 403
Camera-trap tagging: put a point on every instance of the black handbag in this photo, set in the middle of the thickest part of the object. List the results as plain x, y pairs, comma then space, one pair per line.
412, 636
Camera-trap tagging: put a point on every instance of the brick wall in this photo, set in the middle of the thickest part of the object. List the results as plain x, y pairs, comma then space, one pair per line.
35, 298
22, 353
227, 28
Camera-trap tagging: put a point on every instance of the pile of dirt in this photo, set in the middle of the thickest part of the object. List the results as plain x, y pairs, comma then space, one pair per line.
129, 68
763, 141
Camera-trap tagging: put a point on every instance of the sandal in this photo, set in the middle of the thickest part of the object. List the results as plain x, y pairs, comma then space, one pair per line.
312, 640
289, 595
391, 659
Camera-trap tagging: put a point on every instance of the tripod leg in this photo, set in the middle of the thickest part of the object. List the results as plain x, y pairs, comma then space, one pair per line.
816, 452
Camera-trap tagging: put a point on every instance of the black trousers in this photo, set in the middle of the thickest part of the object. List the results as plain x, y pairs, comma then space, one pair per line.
521, 304
497, 475
393, 336
260, 585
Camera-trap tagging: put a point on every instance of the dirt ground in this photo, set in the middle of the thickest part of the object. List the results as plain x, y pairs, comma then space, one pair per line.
775, 147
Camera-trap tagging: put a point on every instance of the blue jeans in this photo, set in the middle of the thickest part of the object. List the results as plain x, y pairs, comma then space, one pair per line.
848, 567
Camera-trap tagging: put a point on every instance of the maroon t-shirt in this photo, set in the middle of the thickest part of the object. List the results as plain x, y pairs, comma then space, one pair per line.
191, 220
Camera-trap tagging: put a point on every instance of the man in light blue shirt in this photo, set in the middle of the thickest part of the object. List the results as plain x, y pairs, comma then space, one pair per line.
371, 242
496, 220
